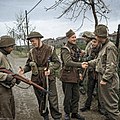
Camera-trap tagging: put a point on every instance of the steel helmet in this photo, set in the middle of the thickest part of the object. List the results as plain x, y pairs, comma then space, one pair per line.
6, 41
34, 35
88, 34
101, 30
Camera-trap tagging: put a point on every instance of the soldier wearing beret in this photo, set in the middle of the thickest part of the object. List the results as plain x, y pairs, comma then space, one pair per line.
106, 66
70, 76
39, 57
7, 104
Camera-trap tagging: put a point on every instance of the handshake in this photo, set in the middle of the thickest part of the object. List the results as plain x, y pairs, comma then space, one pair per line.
84, 65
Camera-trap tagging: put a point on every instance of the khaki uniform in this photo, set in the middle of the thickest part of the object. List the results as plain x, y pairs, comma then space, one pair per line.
37, 61
70, 77
7, 104
106, 66
91, 75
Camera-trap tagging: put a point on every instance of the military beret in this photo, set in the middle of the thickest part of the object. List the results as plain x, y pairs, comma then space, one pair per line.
70, 33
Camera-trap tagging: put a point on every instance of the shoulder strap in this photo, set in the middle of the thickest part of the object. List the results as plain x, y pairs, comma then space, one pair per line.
52, 47
65, 46
32, 54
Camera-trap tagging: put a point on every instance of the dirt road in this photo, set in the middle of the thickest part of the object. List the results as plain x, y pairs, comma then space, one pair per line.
26, 103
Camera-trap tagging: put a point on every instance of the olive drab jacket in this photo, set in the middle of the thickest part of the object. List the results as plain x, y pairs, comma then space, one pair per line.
37, 62
70, 63
4, 62
107, 62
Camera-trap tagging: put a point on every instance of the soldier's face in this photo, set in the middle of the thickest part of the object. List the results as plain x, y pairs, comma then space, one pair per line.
94, 43
72, 39
101, 39
9, 49
34, 42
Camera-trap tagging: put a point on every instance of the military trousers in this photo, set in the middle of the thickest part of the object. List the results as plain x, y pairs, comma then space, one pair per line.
7, 104
91, 85
52, 99
71, 99
108, 97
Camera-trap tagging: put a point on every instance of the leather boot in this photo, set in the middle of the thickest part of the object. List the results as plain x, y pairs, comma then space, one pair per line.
67, 116
84, 109
46, 117
77, 116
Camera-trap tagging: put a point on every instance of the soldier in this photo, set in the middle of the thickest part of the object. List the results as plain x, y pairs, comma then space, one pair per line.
70, 76
7, 104
91, 53
87, 36
38, 60
106, 67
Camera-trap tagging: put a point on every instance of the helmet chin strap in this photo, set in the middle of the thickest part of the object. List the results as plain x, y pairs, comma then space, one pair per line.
4, 51
39, 43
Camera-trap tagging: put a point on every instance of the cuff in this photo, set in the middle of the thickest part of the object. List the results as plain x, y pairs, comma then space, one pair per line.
104, 80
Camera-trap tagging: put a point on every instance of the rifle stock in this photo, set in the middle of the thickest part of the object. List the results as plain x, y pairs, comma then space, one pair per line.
23, 79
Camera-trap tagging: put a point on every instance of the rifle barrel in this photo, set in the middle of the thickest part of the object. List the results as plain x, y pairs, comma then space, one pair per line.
23, 79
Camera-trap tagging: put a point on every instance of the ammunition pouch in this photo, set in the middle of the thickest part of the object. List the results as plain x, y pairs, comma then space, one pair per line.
69, 74
34, 68
67, 69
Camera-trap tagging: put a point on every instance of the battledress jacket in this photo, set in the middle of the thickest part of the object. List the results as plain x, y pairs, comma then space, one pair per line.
107, 62
7, 104
41, 56
69, 71
4, 63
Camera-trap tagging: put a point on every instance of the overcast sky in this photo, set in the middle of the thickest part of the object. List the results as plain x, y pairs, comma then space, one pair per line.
46, 22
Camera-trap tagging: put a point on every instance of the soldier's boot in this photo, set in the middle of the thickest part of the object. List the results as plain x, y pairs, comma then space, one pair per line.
102, 111
77, 116
46, 117
67, 116
84, 109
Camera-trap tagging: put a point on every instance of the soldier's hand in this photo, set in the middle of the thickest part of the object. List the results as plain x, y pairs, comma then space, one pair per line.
82, 53
10, 80
84, 65
21, 71
81, 76
47, 72
103, 82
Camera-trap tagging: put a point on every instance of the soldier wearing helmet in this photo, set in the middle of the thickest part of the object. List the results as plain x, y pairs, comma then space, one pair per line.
106, 66
7, 104
6, 41
39, 57
34, 35
88, 36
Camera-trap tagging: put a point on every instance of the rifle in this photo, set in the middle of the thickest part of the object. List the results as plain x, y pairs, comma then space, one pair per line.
23, 79
47, 87
117, 45
118, 37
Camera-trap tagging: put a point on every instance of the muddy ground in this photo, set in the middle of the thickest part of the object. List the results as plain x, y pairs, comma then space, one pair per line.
26, 103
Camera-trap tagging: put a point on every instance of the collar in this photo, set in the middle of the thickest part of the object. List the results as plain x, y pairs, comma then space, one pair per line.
4, 51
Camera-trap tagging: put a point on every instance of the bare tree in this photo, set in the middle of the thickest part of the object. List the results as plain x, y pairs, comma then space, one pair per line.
19, 31
75, 9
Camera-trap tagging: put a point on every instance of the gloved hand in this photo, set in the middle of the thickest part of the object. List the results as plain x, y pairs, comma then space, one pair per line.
10, 80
